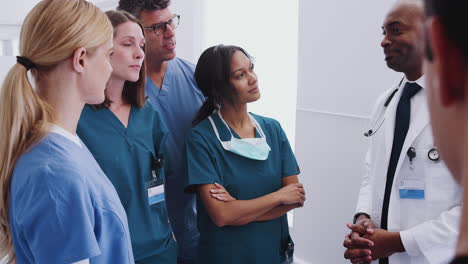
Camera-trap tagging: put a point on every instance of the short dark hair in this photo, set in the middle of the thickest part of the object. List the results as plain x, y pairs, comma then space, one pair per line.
135, 7
213, 77
453, 15
133, 92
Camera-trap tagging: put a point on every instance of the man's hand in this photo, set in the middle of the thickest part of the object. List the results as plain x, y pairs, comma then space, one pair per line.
385, 243
359, 248
356, 253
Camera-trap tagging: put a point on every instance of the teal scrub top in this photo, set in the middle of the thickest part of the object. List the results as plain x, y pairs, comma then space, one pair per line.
125, 154
244, 179
178, 100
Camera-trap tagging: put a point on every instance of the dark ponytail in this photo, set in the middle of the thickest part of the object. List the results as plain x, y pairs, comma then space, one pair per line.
205, 110
212, 75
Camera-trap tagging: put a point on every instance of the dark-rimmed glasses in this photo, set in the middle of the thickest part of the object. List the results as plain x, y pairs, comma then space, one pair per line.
160, 29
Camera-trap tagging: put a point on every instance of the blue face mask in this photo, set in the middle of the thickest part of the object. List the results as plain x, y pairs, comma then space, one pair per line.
251, 148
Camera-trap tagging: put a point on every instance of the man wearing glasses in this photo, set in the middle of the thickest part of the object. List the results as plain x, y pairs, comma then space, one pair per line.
447, 71
172, 91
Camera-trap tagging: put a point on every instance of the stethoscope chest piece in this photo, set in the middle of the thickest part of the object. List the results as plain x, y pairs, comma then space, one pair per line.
433, 154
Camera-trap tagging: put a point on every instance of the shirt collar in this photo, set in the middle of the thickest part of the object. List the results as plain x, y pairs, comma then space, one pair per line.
421, 81
61, 131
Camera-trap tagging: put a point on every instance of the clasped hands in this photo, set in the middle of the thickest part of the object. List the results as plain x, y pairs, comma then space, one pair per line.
365, 243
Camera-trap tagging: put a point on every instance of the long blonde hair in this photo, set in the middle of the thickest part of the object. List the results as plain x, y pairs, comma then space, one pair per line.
51, 33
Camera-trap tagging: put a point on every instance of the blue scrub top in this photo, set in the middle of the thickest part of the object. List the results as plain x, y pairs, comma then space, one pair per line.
63, 209
125, 154
244, 179
178, 102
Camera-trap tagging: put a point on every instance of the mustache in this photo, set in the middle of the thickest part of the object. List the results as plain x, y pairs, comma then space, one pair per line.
393, 51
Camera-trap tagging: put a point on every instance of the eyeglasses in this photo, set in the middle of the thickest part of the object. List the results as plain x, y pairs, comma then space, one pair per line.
160, 29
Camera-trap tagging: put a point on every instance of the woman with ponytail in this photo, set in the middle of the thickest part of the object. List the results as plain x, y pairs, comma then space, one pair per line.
56, 204
241, 167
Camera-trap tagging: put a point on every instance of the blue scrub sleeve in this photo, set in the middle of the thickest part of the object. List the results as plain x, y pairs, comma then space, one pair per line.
289, 164
201, 168
58, 219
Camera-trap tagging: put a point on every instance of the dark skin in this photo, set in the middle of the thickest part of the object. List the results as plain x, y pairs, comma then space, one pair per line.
403, 46
403, 41
366, 243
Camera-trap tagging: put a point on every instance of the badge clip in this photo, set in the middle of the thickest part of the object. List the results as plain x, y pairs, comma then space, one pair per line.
411, 155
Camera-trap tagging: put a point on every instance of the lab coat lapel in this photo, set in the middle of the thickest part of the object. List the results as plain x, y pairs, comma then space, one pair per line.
419, 120
390, 125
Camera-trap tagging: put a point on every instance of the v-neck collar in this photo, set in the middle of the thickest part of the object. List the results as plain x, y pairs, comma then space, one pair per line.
162, 92
234, 133
219, 123
118, 125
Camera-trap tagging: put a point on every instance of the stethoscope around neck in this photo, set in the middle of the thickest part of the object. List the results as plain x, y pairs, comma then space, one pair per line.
380, 120
433, 153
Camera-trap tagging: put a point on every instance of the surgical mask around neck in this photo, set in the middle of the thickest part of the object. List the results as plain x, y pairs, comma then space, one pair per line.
251, 148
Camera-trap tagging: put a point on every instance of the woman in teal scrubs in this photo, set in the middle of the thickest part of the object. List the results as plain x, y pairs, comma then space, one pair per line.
240, 165
125, 135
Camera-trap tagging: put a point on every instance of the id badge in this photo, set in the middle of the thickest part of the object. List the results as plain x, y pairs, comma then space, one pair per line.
155, 192
411, 189
156, 185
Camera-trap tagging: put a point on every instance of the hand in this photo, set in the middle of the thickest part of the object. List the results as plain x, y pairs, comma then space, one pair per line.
385, 243
357, 253
221, 194
358, 248
363, 226
292, 194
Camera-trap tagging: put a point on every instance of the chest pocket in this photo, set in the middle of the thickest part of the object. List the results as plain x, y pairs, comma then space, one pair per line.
441, 186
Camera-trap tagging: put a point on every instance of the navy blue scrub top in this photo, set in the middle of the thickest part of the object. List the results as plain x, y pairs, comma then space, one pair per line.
244, 179
125, 154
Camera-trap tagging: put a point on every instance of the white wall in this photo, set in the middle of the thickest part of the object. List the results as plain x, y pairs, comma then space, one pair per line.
270, 40
5, 64
11, 17
341, 73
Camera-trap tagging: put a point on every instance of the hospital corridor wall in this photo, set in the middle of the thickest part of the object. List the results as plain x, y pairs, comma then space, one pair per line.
341, 74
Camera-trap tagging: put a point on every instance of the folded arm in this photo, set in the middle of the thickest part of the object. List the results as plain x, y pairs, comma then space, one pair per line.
241, 212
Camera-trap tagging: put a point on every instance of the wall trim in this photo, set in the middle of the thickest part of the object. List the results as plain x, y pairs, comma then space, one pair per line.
323, 112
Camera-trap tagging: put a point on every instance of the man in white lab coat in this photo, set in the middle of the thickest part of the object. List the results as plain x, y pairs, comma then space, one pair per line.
409, 205
447, 70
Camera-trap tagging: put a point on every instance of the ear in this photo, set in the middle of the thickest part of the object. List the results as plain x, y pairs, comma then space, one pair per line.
449, 64
78, 60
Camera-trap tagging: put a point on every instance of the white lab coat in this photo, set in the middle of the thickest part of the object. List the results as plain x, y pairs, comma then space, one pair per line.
428, 227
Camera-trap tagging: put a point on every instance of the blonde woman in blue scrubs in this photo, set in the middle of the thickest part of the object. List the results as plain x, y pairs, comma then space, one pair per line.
248, 155
56, 204
125, 135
